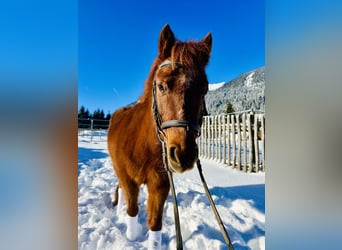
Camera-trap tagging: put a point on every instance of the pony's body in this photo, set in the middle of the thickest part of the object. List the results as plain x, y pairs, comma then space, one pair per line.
179, 82
136, 156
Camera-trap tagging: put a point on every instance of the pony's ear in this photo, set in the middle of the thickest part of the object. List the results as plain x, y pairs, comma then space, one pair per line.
166, 41
208, 40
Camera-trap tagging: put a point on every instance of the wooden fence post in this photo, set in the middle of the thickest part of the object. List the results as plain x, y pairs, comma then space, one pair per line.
256, 144
205, 143
262, 118
224, 130
228, 140
244, 138
217, 134
208, 137
202, 137
239, 142
250, 141
219, 138
233, 140
215, 137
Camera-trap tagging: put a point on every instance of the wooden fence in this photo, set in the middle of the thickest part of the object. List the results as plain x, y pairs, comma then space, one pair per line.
237, 140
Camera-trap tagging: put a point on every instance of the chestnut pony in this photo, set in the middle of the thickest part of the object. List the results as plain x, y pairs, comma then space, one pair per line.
175, 89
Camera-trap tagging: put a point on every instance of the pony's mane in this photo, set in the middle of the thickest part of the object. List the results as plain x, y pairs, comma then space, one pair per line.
190, 54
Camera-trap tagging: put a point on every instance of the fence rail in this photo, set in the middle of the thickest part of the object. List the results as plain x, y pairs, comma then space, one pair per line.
93, 123
237, 140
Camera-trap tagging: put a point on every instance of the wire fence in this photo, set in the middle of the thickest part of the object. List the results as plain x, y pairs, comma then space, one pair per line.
94, 129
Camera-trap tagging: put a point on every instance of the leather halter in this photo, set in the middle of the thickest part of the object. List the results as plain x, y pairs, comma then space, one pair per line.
161, 125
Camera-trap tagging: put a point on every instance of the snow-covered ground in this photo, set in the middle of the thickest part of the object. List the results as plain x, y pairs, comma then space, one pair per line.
239, 197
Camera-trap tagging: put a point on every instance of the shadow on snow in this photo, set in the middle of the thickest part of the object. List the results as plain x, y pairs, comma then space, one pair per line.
85, 155
254, 194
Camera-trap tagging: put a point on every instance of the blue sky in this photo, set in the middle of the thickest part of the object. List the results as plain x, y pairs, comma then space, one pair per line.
118, 42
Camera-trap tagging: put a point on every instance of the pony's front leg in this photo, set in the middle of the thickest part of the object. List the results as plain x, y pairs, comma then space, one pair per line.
157, 194
131, 192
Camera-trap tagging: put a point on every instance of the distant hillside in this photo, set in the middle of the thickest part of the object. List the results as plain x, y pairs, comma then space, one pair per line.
244, 93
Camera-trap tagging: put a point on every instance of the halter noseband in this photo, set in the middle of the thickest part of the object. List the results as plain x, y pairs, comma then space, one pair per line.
171, 123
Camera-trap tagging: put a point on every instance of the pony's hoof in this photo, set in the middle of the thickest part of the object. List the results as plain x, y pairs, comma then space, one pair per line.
134, 229
154, 240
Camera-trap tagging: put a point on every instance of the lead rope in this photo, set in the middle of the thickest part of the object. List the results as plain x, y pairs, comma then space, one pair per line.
174, 198
161, 136
175, 204
213, 207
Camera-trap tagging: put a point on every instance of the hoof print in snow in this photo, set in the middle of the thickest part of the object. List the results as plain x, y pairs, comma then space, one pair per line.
107, 201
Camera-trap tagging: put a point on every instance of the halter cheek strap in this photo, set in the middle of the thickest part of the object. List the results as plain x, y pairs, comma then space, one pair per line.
160, 125
171, 123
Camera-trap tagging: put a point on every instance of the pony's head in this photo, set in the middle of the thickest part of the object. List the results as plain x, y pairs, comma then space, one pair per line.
179, 86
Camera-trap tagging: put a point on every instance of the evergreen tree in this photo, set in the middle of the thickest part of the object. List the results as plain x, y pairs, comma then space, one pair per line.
98, 114
108, 116
102, 115
230, 108
83, 113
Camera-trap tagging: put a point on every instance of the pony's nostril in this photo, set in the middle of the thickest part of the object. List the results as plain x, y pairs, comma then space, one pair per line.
173, 154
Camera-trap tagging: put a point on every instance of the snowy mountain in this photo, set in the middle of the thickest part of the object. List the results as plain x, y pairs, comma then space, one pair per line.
244, 93
214, 86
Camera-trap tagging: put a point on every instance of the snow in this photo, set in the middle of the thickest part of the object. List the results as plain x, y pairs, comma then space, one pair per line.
239, 197
249, 79
214, 86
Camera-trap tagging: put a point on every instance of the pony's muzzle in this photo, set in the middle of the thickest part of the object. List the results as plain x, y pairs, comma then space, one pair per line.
180, 161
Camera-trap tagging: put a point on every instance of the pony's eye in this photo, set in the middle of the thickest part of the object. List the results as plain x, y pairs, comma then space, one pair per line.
161, 88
